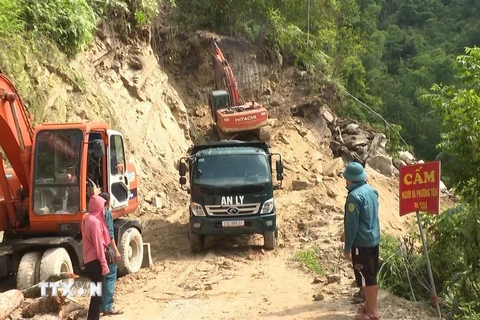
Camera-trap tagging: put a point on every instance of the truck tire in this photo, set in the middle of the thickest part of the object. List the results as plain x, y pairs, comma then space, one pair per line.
131, 250
197, 242
270, 240
55, 261
28, 273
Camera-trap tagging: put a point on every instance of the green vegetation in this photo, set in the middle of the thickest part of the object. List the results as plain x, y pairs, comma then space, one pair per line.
387, 53
310, 259
40, 35
453, 237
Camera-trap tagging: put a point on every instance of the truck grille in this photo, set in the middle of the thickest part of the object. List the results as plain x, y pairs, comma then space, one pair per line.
242, 209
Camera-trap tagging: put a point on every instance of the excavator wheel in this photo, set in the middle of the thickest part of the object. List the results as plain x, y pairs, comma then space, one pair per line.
28, 273
131, 250
55, 261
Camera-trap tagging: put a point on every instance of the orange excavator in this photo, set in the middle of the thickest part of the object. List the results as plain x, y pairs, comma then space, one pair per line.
233, 117
53, 170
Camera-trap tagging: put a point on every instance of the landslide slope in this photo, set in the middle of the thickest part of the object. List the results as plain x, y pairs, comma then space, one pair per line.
160, 116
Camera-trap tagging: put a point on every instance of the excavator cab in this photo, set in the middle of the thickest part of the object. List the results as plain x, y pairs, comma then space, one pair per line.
70, 164
219, 99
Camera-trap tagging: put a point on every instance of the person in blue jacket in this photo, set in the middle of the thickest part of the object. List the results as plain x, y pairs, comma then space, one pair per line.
111, 278
362, 236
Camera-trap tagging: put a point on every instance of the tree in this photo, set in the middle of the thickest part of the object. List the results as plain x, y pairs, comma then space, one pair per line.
459, 107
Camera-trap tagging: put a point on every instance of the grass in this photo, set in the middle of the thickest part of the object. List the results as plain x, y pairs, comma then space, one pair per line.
309, 259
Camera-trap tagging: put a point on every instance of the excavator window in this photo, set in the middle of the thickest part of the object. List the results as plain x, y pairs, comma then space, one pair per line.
56, 171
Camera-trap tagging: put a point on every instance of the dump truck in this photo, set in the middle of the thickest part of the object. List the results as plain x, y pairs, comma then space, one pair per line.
52, 171
231, 191
233, 118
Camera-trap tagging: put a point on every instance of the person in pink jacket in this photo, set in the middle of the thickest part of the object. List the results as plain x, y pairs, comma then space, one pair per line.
95, 239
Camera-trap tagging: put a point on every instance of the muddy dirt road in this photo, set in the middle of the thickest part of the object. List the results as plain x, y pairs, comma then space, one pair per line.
236, 279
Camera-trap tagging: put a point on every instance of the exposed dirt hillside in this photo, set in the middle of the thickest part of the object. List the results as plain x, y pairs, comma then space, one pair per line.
234, 278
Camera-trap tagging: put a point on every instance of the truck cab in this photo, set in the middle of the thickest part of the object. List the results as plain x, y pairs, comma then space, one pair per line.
231, 191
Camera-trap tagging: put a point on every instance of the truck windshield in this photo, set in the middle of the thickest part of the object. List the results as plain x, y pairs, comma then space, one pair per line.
56, 172
231, 170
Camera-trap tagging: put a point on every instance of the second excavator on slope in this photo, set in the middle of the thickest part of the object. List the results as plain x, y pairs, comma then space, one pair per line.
233, 118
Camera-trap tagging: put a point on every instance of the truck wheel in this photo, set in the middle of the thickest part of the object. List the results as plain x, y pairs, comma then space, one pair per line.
270, 240
197, 242
55, 261
131, 250
28, 273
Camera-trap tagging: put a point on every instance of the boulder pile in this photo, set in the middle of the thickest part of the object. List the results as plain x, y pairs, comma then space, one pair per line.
353, 141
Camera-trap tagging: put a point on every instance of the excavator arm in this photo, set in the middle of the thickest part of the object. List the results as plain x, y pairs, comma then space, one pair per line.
222, 70
16, 131
16, 142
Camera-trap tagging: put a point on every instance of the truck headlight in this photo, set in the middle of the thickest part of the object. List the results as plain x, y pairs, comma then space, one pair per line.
267, 206
197, 209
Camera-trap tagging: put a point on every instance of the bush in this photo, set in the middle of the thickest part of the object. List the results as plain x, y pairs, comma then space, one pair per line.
454, 256
69, 23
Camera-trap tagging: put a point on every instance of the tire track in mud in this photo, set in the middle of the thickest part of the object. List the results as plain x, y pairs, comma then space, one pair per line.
178, 266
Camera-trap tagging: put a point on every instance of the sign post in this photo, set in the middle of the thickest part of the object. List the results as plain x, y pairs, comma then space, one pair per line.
420, 191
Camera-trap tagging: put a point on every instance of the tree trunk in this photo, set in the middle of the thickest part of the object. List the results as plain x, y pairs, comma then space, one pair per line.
45, 304
48, 304
9, 302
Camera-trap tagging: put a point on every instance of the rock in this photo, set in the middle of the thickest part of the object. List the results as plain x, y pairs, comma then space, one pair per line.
345, 154
353, 129
316, 156
317, 168
302, 131
283, 139
331, 278
335, 145
331, 194
317, 280
352, 141
407, 157
382, 164
443, 187
272, 122
135, 62
157, 202
334, 167
300, 185
327, 114
199, 113
318, 297
397, 163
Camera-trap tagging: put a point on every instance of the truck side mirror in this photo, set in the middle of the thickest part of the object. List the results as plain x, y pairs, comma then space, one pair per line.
279, 169
182, 169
